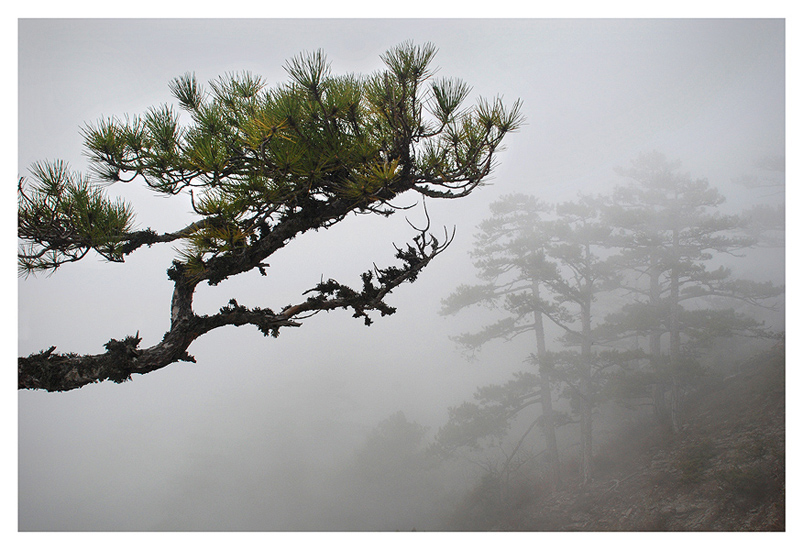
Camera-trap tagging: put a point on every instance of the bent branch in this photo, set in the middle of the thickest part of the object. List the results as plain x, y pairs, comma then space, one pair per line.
51, 371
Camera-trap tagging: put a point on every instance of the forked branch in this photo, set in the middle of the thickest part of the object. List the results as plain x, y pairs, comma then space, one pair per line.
51, 371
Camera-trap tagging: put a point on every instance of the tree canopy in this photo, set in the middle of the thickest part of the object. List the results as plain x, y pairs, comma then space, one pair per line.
261, 165
669, 230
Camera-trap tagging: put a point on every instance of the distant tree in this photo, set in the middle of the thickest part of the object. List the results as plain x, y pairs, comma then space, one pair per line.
481, 433
261, 166
543, 266
769, 174
510, 258
669, 230
393, 449
392, 480
765, 221
579, 238
480, 430
766, 224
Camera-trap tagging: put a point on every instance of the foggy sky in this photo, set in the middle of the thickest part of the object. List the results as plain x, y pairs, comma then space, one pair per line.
233, 441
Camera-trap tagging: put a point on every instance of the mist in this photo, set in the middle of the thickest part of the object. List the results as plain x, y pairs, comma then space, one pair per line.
333, 425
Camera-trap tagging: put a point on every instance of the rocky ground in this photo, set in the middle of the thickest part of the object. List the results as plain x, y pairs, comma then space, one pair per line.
725, 471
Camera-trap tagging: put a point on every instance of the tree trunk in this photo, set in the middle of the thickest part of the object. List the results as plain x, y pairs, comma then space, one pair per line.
62, 372
586, 409
545, 368
659, 391
674, 335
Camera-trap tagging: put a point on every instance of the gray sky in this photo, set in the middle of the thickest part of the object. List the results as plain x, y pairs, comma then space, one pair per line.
195, 445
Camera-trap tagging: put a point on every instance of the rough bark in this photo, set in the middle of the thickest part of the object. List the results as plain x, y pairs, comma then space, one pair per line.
61, 372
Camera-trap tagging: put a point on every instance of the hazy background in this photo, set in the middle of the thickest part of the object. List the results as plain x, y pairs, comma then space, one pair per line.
251, 436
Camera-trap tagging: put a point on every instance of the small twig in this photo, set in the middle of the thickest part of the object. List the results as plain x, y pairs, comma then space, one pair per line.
426, 213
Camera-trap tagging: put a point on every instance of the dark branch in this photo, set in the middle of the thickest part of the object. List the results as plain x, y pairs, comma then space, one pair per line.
61, 372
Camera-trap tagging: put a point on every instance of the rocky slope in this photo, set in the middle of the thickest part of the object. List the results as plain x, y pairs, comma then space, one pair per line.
725, 471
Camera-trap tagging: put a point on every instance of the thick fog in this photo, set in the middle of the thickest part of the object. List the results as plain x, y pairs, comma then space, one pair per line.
266, 434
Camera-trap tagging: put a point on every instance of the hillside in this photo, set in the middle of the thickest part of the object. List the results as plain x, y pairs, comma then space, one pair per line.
725, 471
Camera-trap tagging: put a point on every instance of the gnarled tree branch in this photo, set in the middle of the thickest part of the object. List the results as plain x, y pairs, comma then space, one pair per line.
61, 372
